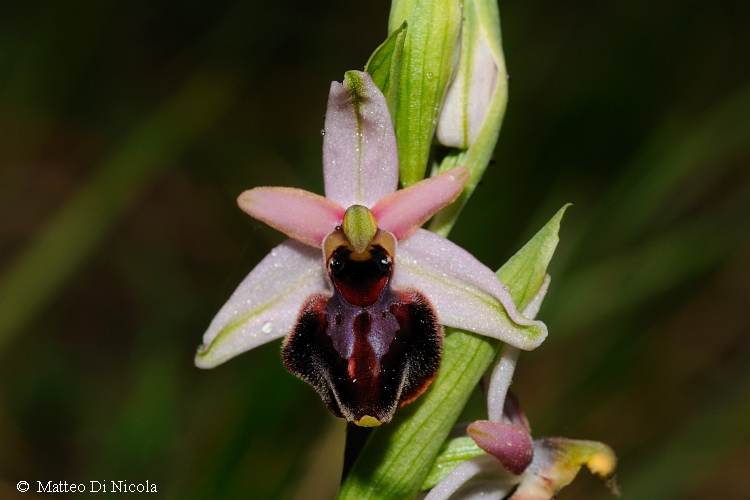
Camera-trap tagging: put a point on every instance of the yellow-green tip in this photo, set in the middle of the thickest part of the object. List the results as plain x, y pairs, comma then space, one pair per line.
368, 421
359, 227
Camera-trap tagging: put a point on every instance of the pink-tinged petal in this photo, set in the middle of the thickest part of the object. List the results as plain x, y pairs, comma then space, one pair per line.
300, 214
465, 292
510, 444
360, 157
557, 462
404, 211
266, 304
505, 364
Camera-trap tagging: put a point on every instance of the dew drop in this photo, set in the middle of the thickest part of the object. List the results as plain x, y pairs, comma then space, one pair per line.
267, 327
430, 76
322, 131
201, 348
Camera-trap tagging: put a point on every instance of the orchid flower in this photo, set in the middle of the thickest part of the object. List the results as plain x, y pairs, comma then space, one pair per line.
360, 291
516, 466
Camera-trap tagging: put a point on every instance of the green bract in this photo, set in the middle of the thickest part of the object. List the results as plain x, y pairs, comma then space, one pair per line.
384, 66
452, 454
524, 273
426, 65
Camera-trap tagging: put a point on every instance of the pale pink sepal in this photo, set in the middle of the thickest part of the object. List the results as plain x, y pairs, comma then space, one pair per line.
266, 304
404, 211
300, 214
462, 482
505, 364
510, 444
360, 157
465, 292
499, 381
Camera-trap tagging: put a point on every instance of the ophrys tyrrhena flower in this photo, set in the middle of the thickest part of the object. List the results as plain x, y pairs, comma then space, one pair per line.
360, 291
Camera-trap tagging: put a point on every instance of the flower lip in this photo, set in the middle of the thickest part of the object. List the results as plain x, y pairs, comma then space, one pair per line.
366, 348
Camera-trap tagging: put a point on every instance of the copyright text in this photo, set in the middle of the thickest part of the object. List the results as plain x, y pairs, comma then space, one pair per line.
95, 487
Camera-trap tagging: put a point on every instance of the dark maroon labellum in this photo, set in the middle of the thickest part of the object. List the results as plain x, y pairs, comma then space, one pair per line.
366, 349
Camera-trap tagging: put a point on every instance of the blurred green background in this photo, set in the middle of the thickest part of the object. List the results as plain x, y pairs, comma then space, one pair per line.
128, 128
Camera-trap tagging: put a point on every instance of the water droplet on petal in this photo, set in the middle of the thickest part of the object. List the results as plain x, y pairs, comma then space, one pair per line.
322, 131
267, 327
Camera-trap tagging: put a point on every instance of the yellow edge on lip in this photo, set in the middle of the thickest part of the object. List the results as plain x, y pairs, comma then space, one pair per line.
368, 421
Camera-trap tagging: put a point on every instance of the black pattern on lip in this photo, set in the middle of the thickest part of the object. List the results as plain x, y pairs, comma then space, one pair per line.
360, 282
366, 349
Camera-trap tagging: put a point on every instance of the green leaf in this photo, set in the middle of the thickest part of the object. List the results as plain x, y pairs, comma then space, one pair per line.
426, 65
397, 457
451, 455
384, 66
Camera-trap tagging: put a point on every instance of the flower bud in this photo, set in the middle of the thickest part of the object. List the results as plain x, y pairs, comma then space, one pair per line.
480, 80
510, 444
474, 107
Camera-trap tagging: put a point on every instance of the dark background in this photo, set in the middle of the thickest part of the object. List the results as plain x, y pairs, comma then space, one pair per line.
128, 128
